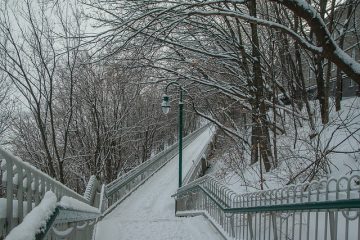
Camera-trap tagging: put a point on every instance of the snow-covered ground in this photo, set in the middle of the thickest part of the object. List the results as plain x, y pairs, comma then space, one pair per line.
149, 213
338, 140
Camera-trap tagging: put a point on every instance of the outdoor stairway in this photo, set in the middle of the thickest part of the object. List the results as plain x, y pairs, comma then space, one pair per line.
146, 203
37, 206
148, 213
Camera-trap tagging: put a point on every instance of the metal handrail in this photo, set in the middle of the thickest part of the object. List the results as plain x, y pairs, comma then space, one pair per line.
119, 189
64, 223
196, 169
17, 164
69, 221
321, 205
91, 188
25, 187
273, 214
135, 172
138, 170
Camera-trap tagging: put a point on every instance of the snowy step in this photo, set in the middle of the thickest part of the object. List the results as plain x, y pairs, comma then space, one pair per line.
148, 213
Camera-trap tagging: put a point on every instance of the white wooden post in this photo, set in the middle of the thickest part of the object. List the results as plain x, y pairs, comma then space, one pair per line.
9, 196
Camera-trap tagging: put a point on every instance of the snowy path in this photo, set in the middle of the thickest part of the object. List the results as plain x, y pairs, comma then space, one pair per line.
149, 212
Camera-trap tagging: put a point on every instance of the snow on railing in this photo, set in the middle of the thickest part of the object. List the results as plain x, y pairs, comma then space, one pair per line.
25, 186
36, 220
325, 209
120, 188
70, 203
73, 216
74, 220
200, 162
67, 219
90, 188
103, 202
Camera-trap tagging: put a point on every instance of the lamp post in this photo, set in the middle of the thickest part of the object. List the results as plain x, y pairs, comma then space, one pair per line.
165, 105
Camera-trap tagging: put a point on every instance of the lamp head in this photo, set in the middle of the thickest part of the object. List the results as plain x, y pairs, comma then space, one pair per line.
165, 105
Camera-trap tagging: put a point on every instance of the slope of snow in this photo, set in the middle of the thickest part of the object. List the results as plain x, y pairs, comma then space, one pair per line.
149, 213
339, 140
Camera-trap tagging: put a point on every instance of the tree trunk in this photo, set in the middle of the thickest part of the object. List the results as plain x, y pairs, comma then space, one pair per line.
260, 125
339, 78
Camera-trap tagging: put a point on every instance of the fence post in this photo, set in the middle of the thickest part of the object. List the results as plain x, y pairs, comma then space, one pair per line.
203, 165
232, 226
9, 196
20, 194
251, 230
273, 217
332, 225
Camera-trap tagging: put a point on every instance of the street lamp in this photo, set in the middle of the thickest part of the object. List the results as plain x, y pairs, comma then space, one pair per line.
165, 106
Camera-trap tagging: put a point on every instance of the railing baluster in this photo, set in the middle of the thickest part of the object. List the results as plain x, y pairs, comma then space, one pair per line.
232, 226
250, 226
29, 191
20, 194
9, 196
258, 227
274, 227
36, 190
247, 226
332, 225
43, 187
316, 224
358, 225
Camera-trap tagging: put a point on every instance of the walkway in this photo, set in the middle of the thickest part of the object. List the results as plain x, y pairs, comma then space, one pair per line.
149, 212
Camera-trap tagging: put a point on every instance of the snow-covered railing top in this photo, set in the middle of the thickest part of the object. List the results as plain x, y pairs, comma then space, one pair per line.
36, 220
133, 173
197, 165
25, 186
91, 188
43, 220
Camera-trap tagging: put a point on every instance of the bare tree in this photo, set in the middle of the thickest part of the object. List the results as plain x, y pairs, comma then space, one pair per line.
31, 60
224, 45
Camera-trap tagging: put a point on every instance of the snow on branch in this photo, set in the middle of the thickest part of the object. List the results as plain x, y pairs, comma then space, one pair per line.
259, 21
330, 48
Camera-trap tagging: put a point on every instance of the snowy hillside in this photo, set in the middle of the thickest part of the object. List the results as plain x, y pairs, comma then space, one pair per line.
333, 152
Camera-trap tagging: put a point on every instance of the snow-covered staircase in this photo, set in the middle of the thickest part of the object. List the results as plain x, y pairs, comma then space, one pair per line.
37, 206
148, 212
144, 203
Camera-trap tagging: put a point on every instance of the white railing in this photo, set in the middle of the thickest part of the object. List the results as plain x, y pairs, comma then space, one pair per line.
200, 163
24, 187
122, 187
71, 224
326, 209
